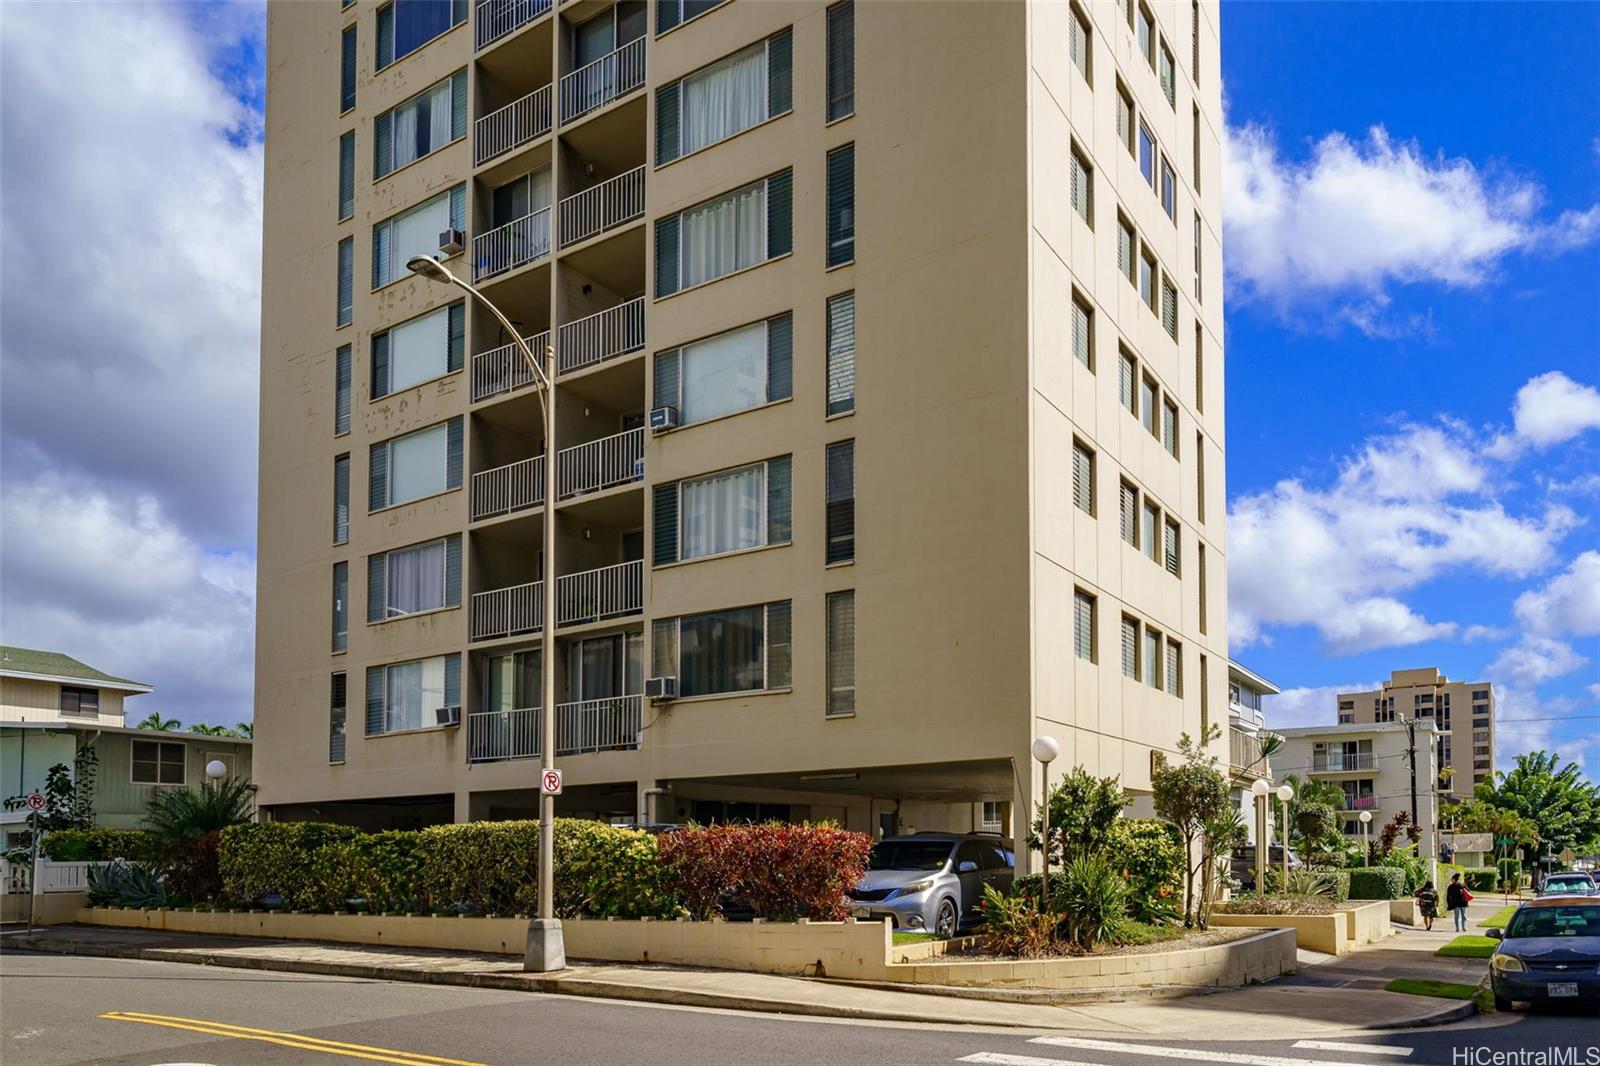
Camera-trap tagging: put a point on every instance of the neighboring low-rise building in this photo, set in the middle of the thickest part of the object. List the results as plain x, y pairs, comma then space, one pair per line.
1246, 728
1467, 849
46, 686
1462, 713
1371, 764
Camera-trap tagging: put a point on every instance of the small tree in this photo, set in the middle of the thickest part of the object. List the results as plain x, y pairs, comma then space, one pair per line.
1190, 795
1221, 833
1083, 809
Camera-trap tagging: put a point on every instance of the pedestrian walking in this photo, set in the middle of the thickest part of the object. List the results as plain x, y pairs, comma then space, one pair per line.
1428, 900
1456, 898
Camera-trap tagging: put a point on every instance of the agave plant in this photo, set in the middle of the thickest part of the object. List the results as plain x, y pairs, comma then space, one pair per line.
125, 884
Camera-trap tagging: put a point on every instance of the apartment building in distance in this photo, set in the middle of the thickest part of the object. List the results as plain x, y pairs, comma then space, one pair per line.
1371, 763
47, 686
1247, 730
1462, 713
888, 363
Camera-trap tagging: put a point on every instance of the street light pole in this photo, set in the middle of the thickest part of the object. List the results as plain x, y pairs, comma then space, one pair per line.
1285, 794
1366, 837
1259, 789
546, 949
1045, 749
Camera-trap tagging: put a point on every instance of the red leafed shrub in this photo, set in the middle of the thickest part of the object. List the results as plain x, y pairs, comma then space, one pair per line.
779, 871
704, 865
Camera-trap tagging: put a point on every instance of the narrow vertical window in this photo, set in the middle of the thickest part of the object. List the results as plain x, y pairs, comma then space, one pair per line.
347, 266
1145, 30
347, 175
1169, 427
841, 652
341, 613
1194, 40
1149, 532
1082, 187
338, 693
1205, 700
1147, 278
1174, 668
1194, 177
1199, 367
1167, 69
347, 69
1169, 189
1147, 404
1199, 258
341, 391
1171, 548
1200, 573
841, 60
1130, 648
1125, 118
841, 501
1127, 375
1169, 307
1083, 612
1129, 509
1126, 255
1200, 474
1078, 41
1152, 657
841, 205
1147, 155
842, 353
1082, 478
1082, 331
341, 499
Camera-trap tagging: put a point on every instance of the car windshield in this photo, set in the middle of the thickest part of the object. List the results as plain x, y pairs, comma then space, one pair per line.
1568, 884
1579, 920
909, 855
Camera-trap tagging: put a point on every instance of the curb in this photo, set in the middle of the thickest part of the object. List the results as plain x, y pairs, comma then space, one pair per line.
1443, 1016
1040, 997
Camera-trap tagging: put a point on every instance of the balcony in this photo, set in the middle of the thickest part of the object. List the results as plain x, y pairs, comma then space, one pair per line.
586, 726
596, 595
1359, 803
512, 245
505, 369
494, 19
601, 207
1244, 754
511, 126
598, 337
600, 464
507, 489
508, 612
611, 77
1338, 763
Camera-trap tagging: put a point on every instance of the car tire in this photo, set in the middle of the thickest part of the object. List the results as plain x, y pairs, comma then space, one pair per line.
946, 919
1501, 1003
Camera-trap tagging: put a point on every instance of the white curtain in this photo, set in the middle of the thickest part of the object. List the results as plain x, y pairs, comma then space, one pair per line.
405, 134
725, 98
417, 464
722, 513
415, 691
417, 233
726, 235
419, 350
416, 579
725, 374
440, 110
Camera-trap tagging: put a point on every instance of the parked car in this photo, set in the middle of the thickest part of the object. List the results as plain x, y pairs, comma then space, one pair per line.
932, 882
1243, 863
1569, 883
1548, 953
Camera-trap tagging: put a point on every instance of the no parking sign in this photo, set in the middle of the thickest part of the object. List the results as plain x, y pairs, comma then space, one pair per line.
550, 783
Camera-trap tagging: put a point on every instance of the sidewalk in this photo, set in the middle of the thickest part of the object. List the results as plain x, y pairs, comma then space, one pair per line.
1333, 997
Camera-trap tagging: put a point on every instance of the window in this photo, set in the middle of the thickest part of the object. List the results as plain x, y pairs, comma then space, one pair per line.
341, 606
1078, 41
413, 695
78, 700
1082, 187
1169, 427
841, 205
1149, 532
1125, 119
1205, 699
1194, 40
841, 60
1130, 648
157, 762
420, 126
1174, 668
1144, 29
1167, 70
841, 501
1147, 404
723, 99
341, 499
1129, 502
731, 372
1147, 278
427, 347
746, 649
1082, 331
841, 652
347, 69
1126, 256
731, 510
341, 391
1169, 190
1083, 612
670, 13
346, 291
415, 232
733, 232
411, 580
1195, 150
347, 175
1147, 155
1152, 658
416, 465
338, 691
1171, 548
1169, 307
1199, 257
1200, 474
1127, 374
511, 682
406, 25
1200, 564
1082, 478
842, 353
604, 668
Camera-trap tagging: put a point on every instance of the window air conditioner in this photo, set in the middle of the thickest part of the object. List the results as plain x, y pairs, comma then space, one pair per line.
452, 241
448, 715
660, 689
663, 419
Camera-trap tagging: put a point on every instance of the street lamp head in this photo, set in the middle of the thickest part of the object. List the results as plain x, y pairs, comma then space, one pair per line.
1366, 817
1260, 787
216, 770
1045, 749
428, 267
1286, 792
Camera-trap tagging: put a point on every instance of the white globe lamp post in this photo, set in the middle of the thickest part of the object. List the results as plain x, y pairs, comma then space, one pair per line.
1045, 749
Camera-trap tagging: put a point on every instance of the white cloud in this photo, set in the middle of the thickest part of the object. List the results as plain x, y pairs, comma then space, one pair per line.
1553, 408
1308, 705
1534, 660
1568, 604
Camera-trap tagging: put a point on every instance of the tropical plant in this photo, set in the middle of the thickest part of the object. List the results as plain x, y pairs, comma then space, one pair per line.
1563, 805
1189, 796
1510, 829
1150, 857
1091, 898
1083, 809
245, 729
1389, 837
153, 720
125, 884
1317, 828
188, 823
1017, 925
210, 730
1220, 834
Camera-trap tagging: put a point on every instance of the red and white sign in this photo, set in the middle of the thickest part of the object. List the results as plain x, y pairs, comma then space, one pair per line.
37, 802
550, 783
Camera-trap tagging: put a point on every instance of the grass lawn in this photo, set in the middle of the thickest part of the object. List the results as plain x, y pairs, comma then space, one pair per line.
1442, 989
912, 938
1468, 946
1499, 918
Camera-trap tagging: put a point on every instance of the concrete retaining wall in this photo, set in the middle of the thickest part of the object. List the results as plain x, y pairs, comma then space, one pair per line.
1315, 932
1367, 923
1405, 912
49, 908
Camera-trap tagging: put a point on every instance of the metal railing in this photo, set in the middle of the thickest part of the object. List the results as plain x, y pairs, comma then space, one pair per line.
513, 487
496, 18
496, 735
504, 248
505, 369
613, 75
610, 724
601, 336
593, 595
1359, 803
1337, 762
601, 207
511, 126
600, 464
508, 612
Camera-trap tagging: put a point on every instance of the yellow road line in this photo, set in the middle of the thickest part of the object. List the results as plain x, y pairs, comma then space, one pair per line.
298, 1041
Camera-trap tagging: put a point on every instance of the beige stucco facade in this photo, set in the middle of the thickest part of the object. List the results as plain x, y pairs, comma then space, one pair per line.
968, 548
1462, 714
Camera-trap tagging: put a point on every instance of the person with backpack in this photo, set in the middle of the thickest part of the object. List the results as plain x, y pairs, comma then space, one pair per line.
1456, 898
1428, 901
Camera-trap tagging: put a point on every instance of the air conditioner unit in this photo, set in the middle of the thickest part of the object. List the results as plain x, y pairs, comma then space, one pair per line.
664, 418
661, 689
448, 715
452, 241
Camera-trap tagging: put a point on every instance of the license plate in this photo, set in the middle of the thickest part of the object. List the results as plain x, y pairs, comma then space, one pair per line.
864, 912
1561, 989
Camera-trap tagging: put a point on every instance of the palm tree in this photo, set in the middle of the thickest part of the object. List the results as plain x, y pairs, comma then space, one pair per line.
160, 724
245, 729
209, 730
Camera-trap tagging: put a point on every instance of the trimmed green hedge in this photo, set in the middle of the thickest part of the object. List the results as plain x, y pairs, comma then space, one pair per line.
1340, 880
1481, 878
300, 862
1377, 882
1510, 871
100, 845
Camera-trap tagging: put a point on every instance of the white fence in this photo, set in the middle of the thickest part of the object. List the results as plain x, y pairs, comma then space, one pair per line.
515, 244
601, 207
505, 369
600, 464
601, 336
496, 18
610, 724
53, 876
513, 487
594, 595
511, 126
613, 75
508, 612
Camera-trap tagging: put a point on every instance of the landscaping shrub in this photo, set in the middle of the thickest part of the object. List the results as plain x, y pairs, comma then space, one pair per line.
1015, 925
1414, 866
1510, 871
99, 845
1091, 900
262, 859
1378, 882
779, 871
606, 872
1151, 860
705, 866
1337, 881
1251, 903
1480, 878
125, 884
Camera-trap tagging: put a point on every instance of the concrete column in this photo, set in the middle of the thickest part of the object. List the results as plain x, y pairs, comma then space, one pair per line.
463, 805
1026, 775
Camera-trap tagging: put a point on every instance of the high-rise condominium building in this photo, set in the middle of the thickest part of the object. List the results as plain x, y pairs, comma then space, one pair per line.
889, 381
1462, 714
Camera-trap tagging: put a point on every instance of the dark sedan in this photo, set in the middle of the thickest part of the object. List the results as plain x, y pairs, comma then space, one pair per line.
1548, 953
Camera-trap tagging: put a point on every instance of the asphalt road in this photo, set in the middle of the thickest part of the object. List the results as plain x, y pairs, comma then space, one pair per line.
58, 1010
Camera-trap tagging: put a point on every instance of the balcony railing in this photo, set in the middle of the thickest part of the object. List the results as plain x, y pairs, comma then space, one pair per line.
1341, 762
505, 489
1359, 803
606, 335
1244, 753
610, 724
511, 126
508, 612
600, 464
505, 369
496, 18
507, 247
601, 207
613, 75
594, 595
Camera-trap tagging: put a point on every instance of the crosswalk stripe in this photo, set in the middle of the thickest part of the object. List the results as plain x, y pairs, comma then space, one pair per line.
1188, 1054
997, 1058
1363, 1049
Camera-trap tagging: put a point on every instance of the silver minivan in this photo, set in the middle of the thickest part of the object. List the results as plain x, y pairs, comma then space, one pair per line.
932, 882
